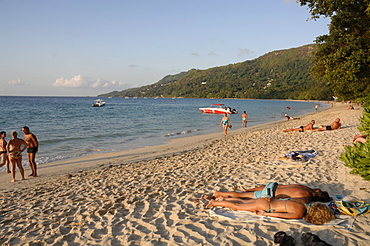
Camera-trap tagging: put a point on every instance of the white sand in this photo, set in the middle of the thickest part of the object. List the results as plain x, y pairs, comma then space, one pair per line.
145, 196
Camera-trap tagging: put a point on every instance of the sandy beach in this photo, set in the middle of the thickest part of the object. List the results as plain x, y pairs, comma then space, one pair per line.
149, 196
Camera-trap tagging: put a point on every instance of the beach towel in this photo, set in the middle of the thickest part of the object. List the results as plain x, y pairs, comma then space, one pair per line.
352, 208
301, 155
343, 221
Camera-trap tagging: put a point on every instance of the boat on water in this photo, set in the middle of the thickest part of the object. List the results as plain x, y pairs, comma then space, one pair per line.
98, 103
218, 109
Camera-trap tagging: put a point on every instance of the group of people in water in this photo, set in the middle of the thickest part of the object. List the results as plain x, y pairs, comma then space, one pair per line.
11, 152
280, 201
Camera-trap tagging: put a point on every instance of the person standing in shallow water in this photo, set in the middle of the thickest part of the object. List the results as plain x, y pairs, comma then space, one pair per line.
15, 153
244, 119
32, 148
3, 152
225, 123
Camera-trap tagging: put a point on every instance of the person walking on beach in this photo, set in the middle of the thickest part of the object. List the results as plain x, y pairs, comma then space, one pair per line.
32, 148
15, 153
244, 119
302, 128
225, 123
3, 152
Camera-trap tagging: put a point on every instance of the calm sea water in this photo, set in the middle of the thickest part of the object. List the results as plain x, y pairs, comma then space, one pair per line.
69, 127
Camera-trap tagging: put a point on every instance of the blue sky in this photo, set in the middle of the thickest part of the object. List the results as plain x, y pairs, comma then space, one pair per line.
89, 47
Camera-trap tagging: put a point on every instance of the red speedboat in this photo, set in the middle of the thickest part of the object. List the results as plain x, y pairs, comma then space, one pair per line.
218, 109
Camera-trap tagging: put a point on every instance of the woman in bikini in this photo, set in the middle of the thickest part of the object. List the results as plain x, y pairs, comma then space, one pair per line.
14, 148
225, 123
317, 214
3, 152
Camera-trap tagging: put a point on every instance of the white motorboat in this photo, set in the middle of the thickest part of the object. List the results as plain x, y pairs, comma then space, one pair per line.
98, 103
218, 109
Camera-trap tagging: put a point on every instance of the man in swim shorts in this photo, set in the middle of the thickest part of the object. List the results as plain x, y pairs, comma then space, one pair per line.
32, 148
302, 128
333, 126
299, 192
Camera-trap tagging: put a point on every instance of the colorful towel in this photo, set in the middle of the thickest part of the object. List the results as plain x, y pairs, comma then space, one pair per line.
352, 208
301, 155
343, 221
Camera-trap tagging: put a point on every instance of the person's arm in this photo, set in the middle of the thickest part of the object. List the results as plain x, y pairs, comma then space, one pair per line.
25, 145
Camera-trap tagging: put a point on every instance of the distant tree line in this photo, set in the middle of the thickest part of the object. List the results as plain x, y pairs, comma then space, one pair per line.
277, 75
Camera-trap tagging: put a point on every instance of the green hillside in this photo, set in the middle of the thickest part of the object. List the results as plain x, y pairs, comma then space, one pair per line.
276, 75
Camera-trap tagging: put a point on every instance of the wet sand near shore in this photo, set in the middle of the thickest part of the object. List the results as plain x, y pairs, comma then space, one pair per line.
146, 196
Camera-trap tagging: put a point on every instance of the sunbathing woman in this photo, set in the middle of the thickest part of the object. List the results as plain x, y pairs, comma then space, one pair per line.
317, 214
302, 192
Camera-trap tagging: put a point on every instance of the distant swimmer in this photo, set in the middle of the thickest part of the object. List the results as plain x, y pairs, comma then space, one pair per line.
302, 128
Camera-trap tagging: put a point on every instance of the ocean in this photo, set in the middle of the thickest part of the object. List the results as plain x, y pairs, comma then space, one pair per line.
69, 127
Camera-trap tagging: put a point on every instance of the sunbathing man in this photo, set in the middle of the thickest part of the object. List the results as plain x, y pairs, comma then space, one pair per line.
273, 189
302, 128
317, 214
334, 126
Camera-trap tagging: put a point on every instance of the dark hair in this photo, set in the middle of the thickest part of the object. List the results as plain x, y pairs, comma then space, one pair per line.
2, 132
26, 127
321, 196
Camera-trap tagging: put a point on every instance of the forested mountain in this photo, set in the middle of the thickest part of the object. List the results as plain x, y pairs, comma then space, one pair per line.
277, 75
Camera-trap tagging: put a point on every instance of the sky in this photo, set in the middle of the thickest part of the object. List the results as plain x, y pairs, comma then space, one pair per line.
90, 47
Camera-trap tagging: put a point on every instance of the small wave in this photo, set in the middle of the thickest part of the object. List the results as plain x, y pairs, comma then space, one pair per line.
180, 133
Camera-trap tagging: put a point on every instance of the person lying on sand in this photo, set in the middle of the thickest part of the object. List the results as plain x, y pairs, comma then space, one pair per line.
290, 118
334, 126
302, 128
361, 138
301, 192
317, 213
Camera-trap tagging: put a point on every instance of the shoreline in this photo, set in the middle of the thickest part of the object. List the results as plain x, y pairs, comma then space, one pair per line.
54, 169
151, 196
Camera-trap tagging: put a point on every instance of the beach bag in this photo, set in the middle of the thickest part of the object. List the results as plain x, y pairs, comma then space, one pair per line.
353, 208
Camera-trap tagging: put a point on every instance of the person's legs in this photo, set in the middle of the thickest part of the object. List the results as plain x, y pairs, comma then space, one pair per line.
31, 160
225, 129
21, 170
247, 205
217, 194
12, 165
4, 159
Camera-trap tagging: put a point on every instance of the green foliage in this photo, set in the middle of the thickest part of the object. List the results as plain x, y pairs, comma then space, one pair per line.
357, 157
342, 59
279, 75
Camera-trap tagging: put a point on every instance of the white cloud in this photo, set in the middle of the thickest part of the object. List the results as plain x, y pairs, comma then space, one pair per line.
16, 82
212, 53
243, 52
195, 54
289, 1
80, 81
